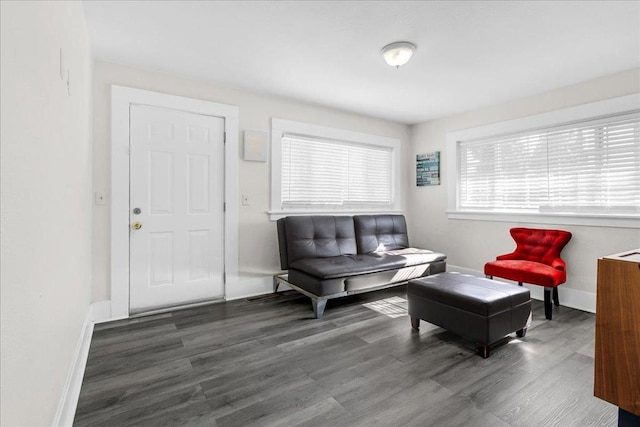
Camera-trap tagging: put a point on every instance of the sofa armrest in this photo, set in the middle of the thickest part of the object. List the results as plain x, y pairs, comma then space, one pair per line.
282, 244
558, 264
511, 255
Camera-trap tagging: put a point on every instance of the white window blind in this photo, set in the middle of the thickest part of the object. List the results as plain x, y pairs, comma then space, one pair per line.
592, 166
326, 173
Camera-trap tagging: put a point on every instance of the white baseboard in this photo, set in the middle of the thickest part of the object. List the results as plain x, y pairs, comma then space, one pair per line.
581, 300
241, 286
71, 391
101, 311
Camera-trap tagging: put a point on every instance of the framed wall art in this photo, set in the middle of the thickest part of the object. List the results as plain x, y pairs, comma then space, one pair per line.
428, 169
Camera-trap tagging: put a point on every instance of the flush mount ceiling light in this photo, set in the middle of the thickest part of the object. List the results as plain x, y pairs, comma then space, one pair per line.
398, 53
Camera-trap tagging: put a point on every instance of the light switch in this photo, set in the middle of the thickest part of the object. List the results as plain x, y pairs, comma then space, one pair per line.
245, 200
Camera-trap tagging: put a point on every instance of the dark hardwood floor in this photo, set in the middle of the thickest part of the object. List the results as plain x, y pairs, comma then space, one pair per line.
266, 362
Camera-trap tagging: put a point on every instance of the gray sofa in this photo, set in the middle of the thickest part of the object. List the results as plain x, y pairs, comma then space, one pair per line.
333, 256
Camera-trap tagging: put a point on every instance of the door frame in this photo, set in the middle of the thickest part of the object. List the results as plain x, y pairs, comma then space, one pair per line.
121, 99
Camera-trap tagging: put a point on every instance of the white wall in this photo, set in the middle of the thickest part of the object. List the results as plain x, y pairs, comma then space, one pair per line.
470, 244
46, 204
258, 249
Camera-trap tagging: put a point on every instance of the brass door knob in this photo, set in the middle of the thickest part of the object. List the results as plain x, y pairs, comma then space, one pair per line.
136, 225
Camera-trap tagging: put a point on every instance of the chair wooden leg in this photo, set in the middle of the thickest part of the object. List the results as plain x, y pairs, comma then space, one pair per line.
483, 350
556, 300
415, 322
547, 303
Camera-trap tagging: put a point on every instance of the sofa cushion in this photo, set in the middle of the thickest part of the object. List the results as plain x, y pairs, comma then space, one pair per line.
415, 256
319, 237
361, 282
314, 285
375, 233
526, 272
341, 266
469, 293
350, 265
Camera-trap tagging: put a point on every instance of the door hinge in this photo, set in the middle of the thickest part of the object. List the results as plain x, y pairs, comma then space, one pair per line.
224, 277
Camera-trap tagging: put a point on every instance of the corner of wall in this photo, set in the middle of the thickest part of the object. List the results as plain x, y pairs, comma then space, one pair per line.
101, 311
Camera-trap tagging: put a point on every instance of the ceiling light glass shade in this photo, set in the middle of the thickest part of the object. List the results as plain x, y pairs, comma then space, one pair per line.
398, 53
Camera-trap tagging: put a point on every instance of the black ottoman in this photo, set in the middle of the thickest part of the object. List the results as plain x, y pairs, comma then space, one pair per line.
481, 310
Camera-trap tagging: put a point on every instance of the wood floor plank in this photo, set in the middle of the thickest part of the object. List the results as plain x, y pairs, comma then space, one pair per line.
153, 407
393, 406
266, 362
122, 380
288, 402
242, 389
558, 388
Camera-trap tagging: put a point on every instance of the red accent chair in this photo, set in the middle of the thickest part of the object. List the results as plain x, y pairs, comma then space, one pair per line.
536, 260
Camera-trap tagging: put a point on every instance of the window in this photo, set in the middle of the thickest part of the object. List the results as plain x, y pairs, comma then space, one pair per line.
585, 167
582, 167
318, 170
334, 174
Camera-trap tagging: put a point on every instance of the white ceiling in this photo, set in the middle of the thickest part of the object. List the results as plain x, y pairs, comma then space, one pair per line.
470, 53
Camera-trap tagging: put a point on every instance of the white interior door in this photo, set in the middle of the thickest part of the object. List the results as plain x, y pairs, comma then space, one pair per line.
177, 200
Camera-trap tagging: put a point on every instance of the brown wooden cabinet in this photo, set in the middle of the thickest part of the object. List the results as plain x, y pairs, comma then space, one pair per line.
617, 349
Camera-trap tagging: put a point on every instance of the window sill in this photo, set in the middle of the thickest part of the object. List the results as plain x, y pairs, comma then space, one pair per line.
276, 215
593, 220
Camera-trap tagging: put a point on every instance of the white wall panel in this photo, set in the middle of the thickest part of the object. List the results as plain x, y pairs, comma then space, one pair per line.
46, 201
161, 251
198, 135
199, 260
160, 132
198, 184
160, 183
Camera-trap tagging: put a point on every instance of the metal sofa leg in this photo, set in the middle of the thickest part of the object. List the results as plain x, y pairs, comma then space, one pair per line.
556, 300
318, 307
547, 303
